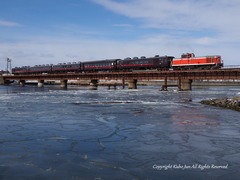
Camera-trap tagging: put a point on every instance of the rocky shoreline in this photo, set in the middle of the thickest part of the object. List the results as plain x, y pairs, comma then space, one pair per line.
228, 103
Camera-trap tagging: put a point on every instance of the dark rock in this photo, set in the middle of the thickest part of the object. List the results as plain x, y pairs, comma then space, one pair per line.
229, 103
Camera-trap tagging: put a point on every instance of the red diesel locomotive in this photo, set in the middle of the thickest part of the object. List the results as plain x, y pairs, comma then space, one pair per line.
189, 61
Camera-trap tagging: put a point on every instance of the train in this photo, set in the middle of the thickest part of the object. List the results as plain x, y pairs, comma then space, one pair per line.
187, 61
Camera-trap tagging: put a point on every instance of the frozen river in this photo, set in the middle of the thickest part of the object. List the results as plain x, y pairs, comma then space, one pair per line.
49, 133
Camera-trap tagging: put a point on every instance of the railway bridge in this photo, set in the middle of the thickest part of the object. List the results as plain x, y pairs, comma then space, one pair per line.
184, 78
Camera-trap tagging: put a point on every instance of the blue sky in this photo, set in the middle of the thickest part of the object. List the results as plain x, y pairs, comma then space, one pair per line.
52, 31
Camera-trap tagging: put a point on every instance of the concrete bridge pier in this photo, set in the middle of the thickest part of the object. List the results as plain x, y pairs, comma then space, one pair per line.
94, 84
164, 86
22, 83
63, 83
123, 83
185, 84
132, 84
4, 82
40, 83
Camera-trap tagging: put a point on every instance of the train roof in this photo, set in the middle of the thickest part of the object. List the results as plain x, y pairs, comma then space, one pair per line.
100, 61
144, 57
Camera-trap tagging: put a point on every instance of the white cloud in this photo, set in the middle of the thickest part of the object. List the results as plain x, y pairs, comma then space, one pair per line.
203, 26
54, 50
51, 50
9, 24
220, 16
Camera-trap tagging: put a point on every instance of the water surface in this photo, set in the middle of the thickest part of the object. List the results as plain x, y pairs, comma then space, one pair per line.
49, 133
